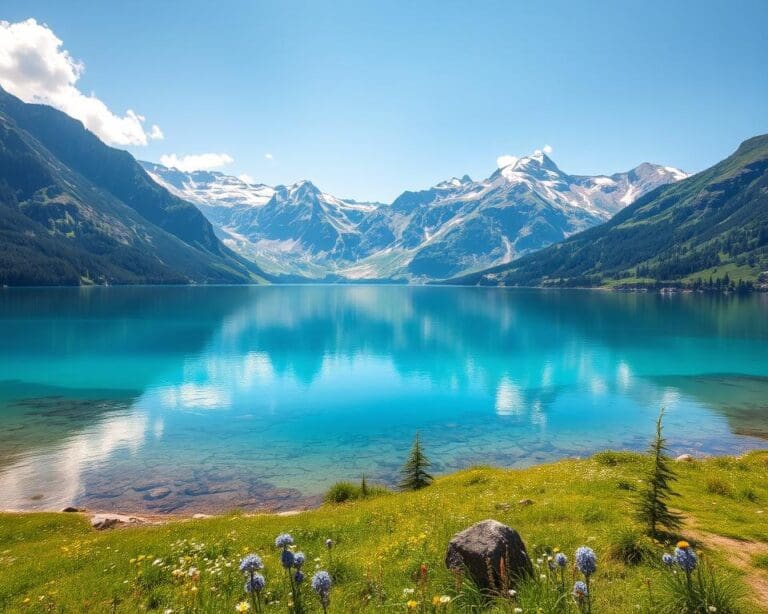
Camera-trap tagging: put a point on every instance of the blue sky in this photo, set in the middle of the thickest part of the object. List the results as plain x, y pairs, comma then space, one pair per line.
368, 99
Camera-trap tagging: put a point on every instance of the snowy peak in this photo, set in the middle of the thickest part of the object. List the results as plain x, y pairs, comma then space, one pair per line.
209, 188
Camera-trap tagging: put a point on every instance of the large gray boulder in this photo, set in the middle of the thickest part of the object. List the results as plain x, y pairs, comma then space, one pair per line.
480, 549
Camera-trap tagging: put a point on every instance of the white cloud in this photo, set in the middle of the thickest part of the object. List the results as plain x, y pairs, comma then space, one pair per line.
196, 162
547, 149
269, 156
35, 67
245, 177
506, 160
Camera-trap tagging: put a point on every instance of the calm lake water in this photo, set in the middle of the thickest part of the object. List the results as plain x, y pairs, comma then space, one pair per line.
192, 399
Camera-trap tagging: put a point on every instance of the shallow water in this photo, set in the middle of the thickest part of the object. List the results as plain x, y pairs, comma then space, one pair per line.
199, 398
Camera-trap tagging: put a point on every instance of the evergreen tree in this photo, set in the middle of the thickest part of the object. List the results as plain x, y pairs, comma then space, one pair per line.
652, 510
363, 487
414, 474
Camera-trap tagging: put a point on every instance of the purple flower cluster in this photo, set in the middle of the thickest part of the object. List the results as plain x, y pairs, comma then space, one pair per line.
586, 561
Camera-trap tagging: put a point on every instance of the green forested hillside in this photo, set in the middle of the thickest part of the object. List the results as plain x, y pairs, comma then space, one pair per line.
74, 211
710, 230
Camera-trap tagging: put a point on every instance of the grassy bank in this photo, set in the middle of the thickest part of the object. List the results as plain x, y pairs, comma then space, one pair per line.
56, 562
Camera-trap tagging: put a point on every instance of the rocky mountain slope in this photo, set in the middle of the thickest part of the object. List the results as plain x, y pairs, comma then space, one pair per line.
708, 230
75, 211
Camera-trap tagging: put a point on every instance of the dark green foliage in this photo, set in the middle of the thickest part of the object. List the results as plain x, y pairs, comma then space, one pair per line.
630, 547
718, 486
75, 211
414, 473
701, 593
682, 234
341, 492
652, 510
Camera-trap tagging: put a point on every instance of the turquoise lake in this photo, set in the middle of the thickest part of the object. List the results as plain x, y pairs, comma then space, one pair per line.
187, 399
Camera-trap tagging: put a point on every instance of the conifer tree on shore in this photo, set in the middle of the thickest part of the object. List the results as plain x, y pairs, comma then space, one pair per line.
414, 473
653, 510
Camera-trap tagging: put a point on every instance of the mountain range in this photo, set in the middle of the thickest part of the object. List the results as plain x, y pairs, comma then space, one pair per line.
709, 230
454, 227
75, 211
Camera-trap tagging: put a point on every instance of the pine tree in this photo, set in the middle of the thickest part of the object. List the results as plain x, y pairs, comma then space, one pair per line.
363, 487
414, 473
652, 510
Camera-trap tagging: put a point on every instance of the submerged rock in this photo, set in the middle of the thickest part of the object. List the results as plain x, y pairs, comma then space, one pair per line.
480, 549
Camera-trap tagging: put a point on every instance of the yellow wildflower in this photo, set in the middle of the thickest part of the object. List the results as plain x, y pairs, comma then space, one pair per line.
243, 606
412, 605
683, 545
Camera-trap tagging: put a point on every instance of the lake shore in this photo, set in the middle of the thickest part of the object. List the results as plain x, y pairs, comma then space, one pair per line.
380, 541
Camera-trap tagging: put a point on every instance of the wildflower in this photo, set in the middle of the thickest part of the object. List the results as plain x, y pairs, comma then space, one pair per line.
712, 609
255, 584
298, 559
299, 576
287, 558
543, 576
408, 591
251, 563
561, 560
580, 590
586, 561
444, 599
512, 592
321, 584
329, 543
518, 610
243, 606
685, 557
667, 559
283, 540
412, 604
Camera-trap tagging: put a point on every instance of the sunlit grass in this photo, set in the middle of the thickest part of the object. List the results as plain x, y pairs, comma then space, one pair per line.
56, 562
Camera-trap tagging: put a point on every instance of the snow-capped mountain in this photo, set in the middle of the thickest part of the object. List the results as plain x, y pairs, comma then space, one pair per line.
454, 227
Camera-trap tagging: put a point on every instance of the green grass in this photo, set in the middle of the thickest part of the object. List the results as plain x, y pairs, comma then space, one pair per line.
56, 562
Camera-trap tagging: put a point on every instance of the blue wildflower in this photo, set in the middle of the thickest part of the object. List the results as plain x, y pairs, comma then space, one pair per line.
667, 559
685, 557
283, 540
299, 576
255, 584
321, 583
287, 559
586, 561
580, 590
251, 563
561, 560
298, 559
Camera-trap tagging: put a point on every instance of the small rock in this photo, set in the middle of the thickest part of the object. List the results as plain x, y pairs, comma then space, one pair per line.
109, 521
684, 458
157, 493
201, 516
72, 509
525, 502
480, 549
